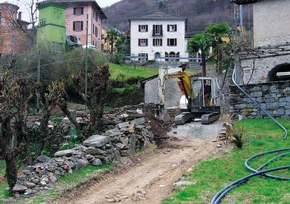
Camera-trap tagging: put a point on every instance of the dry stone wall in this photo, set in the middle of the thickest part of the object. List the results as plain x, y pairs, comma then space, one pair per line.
124, 134
273, 97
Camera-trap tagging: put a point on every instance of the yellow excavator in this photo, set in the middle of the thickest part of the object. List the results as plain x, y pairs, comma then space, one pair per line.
198, 100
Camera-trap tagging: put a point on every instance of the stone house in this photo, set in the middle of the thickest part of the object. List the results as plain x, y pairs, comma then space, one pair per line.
12, 30
265, 66
158, 36
78, 14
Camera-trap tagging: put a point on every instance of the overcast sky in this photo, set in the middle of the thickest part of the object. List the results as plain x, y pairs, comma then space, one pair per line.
23, 4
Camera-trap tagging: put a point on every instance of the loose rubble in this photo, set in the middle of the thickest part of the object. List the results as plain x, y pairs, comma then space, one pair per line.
123, 135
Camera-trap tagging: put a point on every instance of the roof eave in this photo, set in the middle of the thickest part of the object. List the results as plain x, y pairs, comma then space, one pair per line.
241, 2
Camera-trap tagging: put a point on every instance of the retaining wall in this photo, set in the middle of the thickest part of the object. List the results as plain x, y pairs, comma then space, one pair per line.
273, 97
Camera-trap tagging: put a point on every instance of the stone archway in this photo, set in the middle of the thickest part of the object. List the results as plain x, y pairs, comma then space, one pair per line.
279, 73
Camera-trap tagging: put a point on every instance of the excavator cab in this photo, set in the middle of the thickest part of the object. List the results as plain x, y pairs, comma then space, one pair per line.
205, 91
203, 102
199, 96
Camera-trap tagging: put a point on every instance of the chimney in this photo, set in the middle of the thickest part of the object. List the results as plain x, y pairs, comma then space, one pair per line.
19, 15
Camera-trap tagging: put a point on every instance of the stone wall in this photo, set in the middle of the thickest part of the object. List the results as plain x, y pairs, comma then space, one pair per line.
125, 133
254, 65
273, 97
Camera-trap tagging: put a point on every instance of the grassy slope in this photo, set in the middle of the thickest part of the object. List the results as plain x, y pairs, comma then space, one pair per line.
126, 72
213, 175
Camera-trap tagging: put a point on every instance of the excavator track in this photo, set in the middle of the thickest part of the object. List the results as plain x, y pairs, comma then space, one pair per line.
207, 118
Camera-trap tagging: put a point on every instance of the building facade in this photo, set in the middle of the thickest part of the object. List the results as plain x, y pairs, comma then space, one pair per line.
158, 36
83, 18
51, 26
265, 66
270, 18
269, 59
13, 31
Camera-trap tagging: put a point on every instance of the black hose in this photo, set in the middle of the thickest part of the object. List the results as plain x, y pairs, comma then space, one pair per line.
221, 194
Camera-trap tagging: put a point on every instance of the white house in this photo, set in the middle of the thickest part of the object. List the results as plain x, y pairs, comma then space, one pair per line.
158, 36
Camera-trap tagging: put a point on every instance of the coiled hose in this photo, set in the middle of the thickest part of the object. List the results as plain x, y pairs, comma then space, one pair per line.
286, 151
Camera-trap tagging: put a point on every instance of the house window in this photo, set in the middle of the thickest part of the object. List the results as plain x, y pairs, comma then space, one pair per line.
143, 28
96, 31
42, 21
143, 42
171, 42
157, 42
96, 16
157, 30
79, 11
78, 25
172, 28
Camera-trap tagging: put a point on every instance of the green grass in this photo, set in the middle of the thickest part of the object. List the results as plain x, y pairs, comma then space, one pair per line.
125, 72
214, 174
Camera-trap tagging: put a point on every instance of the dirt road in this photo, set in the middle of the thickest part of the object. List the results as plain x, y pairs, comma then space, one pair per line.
151, 179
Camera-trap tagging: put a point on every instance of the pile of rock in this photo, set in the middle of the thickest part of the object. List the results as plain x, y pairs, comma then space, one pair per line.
126, 137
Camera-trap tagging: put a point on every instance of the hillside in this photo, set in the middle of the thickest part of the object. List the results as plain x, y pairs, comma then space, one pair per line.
200, 13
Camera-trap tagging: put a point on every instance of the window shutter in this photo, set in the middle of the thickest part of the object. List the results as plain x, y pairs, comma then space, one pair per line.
146, 42
146, 28
154, 29
139, 28
161, 42
161, 30
139, 42
168, 27
74, 26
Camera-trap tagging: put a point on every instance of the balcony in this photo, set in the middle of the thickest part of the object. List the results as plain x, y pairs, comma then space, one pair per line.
157, 34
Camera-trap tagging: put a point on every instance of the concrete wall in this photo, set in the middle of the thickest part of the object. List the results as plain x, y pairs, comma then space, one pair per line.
273, 97
271, 22
172, 92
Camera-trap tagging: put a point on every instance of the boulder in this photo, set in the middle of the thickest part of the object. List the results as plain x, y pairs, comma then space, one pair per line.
96, 141
43, 159
19, 188
97, 162
94, 151
67, 153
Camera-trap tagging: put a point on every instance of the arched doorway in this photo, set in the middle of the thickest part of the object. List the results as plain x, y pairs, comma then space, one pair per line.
157, 56
172, 56
280, 73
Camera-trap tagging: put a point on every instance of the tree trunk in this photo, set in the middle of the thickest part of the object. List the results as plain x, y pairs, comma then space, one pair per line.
11, 171
8, 154
220, 60
112, 45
